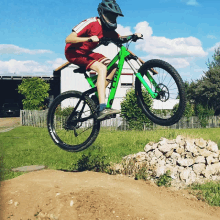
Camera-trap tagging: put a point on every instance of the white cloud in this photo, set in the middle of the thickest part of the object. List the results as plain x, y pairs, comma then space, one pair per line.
29, 67
176, 62
191, 2
179, 52
198, 70
56, 63
216, 46
211, 36
18, 67
164, 47
13, 49
123, 31
144, 28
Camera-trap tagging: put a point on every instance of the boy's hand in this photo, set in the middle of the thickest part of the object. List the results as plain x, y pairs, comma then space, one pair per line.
94, 39
139, 35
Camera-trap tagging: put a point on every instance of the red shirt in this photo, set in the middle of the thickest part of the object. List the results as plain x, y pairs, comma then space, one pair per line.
87, 28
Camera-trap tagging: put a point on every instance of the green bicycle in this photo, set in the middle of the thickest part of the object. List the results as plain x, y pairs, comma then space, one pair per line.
72, 117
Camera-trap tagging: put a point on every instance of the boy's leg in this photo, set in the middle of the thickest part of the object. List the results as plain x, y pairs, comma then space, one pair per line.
101, 69
111, 72
94, 61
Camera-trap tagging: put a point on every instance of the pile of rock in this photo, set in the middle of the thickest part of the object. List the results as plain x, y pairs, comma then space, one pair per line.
188, 160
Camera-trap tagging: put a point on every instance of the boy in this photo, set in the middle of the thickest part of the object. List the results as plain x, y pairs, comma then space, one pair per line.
85, 37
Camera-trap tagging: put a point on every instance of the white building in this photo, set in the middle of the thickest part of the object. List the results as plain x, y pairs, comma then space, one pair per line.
76, 81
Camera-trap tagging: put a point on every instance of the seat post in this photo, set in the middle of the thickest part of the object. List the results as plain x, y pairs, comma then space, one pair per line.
81, 70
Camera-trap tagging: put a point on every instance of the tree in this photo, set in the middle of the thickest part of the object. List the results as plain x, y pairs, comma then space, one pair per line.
35, 91
133, 113
189, 110
203, 112
209, 86
216, 59
206, 91
190, 90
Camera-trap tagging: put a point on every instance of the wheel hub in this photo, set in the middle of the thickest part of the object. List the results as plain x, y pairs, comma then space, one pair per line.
163, 92
72, 124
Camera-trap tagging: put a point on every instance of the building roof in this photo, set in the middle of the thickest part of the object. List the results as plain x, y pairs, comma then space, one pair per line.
16, 77
62, 66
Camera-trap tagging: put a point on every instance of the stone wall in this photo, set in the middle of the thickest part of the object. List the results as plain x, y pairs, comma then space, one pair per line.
188, 160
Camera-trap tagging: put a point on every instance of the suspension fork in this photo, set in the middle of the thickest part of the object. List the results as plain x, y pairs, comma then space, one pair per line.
153, 94
139, 76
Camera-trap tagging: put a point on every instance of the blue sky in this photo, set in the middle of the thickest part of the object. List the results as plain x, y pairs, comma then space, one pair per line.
182, 32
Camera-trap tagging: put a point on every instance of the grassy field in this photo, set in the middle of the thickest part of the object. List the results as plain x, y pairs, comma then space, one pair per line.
25, 146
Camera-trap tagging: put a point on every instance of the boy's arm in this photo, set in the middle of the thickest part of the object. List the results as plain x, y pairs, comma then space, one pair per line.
138, 34
73, 38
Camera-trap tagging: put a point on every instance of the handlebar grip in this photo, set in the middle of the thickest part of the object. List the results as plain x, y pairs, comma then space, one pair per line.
134, 37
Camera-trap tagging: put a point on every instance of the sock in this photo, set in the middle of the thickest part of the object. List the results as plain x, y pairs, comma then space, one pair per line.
102, 107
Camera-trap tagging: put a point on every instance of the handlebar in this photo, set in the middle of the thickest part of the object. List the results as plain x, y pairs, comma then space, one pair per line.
119, 41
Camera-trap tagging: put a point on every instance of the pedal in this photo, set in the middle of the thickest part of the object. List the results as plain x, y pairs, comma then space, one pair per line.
108, 117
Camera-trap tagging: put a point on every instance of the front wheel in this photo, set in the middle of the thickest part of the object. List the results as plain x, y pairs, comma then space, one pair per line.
72, 121
169, 105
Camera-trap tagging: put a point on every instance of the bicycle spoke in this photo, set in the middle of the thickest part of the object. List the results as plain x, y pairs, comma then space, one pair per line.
167, 84
72, 119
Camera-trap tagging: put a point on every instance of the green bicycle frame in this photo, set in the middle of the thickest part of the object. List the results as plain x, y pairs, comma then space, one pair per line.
123, 53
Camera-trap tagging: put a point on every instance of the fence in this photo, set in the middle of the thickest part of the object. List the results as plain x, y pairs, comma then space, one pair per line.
33, 118
193, 122
39, 119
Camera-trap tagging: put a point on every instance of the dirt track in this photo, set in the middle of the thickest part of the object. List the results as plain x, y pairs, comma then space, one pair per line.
6, 123
51, 194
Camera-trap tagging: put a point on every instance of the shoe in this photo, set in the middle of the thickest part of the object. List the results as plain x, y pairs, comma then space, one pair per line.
107, 112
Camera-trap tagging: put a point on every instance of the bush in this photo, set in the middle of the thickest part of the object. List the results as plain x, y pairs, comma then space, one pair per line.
133, 113
165, 179
35, 91
95, 163
141, 174
189, 110
203, 112
63, 111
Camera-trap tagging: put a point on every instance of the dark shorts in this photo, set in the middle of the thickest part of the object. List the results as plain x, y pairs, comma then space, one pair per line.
84, 60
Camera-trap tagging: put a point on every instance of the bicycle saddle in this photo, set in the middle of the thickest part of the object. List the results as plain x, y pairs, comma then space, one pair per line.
81, 69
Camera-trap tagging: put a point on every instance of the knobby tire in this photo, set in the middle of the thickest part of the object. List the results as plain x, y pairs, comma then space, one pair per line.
171, 72
59, 131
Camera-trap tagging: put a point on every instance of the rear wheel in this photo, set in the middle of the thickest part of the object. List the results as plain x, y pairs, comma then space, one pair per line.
72, 121
170, 103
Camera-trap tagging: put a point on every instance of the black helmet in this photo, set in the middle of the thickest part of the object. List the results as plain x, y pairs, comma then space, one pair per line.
108, 12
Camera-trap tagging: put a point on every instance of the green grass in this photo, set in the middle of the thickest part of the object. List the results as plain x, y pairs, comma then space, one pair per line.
209, 192
25, 146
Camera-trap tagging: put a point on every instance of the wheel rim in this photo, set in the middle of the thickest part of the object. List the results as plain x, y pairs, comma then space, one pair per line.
168, 102
72, 133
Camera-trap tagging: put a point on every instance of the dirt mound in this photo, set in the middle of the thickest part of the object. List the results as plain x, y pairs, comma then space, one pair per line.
51, 194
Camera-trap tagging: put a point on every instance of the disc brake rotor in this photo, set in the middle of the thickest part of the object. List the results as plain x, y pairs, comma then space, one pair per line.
163, 92
72, 124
